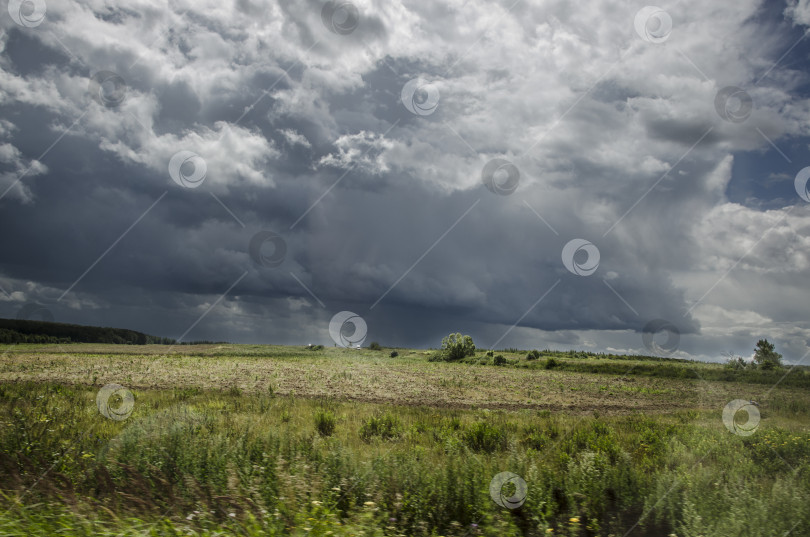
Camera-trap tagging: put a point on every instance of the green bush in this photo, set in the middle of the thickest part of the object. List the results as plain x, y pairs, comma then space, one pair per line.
455, 347
374, 346
484, 437
394, 354
499, 360
738, 363
325, 422
386, 426
551, 363
533, 355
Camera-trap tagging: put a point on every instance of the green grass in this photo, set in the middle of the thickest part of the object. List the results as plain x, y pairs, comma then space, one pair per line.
194, 460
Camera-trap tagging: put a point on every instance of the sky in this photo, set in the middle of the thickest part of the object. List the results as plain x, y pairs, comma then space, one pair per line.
606, 176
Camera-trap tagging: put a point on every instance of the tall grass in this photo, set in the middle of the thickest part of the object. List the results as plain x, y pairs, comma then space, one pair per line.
192, 462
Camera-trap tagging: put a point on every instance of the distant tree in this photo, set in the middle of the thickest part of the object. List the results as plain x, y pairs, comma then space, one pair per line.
375, 346
736, 362
765, 356
455, 347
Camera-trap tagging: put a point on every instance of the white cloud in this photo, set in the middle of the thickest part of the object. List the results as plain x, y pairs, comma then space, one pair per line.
295, 138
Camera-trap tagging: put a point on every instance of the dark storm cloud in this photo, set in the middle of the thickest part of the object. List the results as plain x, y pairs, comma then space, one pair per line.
383, 212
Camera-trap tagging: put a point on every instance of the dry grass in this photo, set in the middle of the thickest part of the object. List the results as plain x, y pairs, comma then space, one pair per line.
362, 375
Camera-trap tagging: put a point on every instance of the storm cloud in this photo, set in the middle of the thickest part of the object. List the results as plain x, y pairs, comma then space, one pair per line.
143, 148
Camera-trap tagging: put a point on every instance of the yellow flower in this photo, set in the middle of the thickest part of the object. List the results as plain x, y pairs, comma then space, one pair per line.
573, 519
369, 504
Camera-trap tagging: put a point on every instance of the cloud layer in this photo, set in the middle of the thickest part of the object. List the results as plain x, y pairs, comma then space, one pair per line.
364, 145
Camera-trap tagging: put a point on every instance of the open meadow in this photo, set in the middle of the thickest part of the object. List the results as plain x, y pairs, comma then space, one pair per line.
266, 440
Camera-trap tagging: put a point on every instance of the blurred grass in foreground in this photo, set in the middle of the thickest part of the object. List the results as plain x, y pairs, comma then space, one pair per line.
194, 462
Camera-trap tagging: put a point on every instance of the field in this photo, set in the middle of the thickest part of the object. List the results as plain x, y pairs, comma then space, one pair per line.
264, 440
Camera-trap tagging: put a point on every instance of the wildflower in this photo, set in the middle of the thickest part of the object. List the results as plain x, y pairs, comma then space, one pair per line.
316, 502
573, 519
232, 515
369, 504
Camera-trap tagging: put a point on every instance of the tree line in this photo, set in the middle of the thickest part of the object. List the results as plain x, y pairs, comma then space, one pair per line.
25, 331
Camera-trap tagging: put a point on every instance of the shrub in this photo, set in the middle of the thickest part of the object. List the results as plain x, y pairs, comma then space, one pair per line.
315, 347
537, 440
765, 356
484, 437
455, 347
386, 426
499, 360
737, 363
394, 354
375, 346
551, 363
533, 355
325, 422
490, 354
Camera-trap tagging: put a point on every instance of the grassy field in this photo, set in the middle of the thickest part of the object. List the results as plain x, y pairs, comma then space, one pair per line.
264, 440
